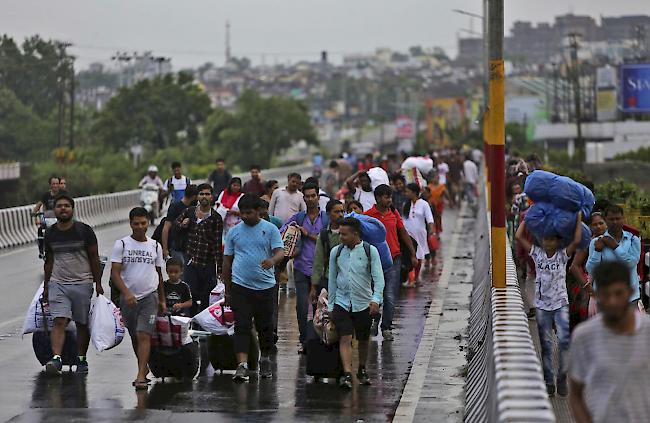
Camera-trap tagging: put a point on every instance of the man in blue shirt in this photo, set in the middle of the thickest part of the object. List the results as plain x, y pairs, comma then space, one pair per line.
310, 222
616, 245
356, 289
252, 249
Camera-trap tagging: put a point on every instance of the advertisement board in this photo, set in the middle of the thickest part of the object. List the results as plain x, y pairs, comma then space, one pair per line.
404, 126
635, 88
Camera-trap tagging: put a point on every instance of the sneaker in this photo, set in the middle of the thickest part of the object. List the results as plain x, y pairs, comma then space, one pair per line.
82, 366
346, 381
265, 368
241, 374
562, 388
387, 334
550, 390
54, 366
362, 376
374, 328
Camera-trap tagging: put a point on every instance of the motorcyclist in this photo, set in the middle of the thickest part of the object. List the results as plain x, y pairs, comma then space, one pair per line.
151, 178
47, 203
148, 198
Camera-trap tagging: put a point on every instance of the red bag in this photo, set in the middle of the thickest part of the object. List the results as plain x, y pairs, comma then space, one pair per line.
170, 334
434, 242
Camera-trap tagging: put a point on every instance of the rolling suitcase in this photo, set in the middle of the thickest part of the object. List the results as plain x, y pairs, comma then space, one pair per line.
43, 347
323, 361
221, 352
181, 362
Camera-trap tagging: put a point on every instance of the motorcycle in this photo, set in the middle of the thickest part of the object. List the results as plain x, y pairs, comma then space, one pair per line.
46, 219
149, 200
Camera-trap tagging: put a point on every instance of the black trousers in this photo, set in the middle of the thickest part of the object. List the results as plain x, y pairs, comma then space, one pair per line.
250, 305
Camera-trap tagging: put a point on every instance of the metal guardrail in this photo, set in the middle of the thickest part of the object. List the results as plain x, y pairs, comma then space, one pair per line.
504, 381
17, 225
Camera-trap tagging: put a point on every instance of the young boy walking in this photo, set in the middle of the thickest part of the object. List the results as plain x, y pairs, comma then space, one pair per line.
136, 271
178, 296
552, 300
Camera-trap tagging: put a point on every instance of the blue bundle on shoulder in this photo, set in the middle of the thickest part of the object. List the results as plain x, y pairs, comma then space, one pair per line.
561, 191
545, 220
374, 233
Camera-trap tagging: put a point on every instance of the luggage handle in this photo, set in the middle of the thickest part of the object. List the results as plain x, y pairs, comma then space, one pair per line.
45, 327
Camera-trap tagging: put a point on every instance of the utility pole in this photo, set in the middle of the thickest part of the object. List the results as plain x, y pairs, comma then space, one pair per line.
496, 143
575, 73
160, 60
72, 76
227, 41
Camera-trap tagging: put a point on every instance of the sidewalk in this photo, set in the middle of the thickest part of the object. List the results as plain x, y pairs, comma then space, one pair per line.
435, 386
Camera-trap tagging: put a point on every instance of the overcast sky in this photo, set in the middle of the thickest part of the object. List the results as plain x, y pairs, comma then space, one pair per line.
193, 31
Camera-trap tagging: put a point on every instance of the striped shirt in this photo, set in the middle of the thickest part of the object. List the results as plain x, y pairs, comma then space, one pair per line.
614, 370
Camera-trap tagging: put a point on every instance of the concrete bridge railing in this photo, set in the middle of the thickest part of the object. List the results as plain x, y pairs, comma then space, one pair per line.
504, 381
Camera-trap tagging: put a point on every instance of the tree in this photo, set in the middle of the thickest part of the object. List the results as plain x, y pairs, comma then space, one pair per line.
36, 72
154, 112
416, 51
23, 134
259, 129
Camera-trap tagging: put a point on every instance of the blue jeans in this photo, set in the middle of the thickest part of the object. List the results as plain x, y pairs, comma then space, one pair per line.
201, 280
391, 290
545, 320
303, 286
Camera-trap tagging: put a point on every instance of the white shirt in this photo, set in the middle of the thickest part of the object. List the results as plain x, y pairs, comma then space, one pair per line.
285, 204
139, 262
443, 169
149, 180
366, 198
550, 280
323, 199
470, 172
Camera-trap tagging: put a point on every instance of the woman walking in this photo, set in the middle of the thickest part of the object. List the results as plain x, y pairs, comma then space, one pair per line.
419, 223
228, 204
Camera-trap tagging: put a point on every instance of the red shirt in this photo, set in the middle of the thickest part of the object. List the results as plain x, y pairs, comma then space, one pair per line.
392, 221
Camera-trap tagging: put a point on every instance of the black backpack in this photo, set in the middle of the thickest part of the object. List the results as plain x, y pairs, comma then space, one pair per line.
366, 249
157, 233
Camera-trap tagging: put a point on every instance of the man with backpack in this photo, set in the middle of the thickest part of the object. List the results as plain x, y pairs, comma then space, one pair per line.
310, 222
172, 243
203, 228
328, 238
176, 184
356, 288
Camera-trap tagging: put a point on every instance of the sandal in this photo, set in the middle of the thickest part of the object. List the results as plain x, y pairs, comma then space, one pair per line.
146, 380
141, 385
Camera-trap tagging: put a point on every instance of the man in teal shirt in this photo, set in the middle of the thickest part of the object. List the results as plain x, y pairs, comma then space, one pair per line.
356, 289
616, 245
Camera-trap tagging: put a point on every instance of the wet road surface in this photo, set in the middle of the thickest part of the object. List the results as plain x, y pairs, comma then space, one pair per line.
106, 393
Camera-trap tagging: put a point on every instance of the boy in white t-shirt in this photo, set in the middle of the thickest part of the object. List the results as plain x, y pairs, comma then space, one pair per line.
552, 300
136, 271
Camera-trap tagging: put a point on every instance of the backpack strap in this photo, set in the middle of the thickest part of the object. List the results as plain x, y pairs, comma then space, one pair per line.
366, 249
300, 217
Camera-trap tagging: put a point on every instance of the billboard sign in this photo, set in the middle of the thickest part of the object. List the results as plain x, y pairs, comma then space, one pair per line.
404, 126
635, 88
606, 102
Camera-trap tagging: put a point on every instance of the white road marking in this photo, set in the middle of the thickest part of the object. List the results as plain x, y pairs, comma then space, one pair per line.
412, 391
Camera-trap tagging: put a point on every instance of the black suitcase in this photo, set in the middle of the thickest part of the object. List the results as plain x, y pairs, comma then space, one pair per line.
221, 352
181, 363
322, 360
43, 347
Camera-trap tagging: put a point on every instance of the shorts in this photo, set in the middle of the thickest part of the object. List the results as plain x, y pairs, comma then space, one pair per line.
70, 300
142, 317
348, 322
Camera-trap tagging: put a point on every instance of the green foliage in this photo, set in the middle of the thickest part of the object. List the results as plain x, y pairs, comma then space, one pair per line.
259, 129
160, 113
23, 134
616, 191
642, 155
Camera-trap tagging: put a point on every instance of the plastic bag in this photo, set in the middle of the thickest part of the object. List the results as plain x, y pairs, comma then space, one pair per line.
378, 176
414, 176
171, 331
423, 164
374, 233
561, 191
217, 319
217, 294
106, 325
38, 313
322, 314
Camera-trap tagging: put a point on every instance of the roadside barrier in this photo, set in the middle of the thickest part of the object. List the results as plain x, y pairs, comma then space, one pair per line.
504, 379
17, 226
